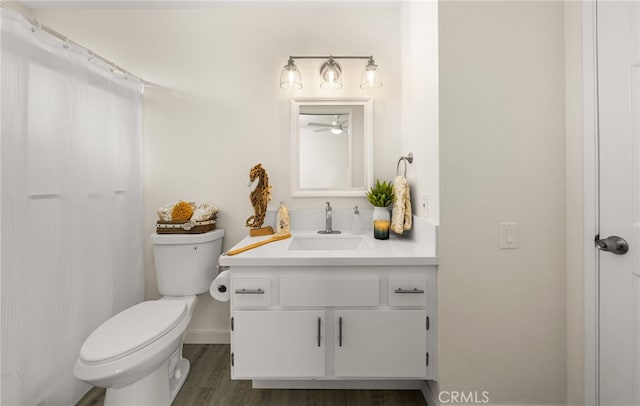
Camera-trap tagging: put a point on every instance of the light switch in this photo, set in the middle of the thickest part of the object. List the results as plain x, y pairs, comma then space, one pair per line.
424, 205
508, 235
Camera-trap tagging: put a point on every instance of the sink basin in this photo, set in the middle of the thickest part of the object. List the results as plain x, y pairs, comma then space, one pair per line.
325, 243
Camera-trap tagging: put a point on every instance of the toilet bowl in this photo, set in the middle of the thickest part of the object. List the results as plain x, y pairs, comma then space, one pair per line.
137, 354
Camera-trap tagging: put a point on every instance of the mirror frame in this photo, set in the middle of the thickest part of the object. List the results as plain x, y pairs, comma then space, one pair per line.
367, 104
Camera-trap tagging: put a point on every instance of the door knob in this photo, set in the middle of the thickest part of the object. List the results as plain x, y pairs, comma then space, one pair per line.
613, 244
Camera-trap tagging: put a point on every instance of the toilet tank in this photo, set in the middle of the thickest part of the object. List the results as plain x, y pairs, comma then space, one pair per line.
186, 264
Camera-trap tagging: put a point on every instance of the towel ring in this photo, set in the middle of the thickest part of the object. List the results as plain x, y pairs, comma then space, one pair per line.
408, 158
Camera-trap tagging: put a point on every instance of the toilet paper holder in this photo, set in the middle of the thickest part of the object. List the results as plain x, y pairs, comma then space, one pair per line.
220, 286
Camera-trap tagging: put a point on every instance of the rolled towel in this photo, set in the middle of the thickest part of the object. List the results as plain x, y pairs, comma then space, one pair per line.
203, 211
401, 214
164, 212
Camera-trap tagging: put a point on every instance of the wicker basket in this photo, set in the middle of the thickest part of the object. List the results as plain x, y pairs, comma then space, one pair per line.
189, 227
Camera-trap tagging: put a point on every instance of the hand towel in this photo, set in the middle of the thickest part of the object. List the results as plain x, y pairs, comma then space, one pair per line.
401, 214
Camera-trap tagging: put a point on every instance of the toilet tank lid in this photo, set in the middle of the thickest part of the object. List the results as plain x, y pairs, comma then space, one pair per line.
132, 329
186, 238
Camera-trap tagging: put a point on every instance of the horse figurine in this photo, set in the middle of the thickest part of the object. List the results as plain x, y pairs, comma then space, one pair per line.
259, 197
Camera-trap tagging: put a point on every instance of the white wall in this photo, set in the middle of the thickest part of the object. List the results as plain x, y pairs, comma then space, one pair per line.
575, 203
502, 158
220, 109
420, 105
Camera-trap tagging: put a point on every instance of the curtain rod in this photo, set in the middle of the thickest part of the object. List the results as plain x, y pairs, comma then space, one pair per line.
36, 24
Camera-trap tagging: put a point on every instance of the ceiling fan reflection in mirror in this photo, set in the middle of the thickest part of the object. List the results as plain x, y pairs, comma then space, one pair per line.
336, 123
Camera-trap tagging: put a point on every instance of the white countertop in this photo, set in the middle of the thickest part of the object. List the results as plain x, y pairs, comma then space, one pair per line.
397, 250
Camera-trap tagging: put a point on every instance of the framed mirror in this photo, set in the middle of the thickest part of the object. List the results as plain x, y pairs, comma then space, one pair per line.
331, 147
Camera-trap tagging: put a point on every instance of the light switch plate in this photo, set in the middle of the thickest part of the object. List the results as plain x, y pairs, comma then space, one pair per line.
424, 205
509, 235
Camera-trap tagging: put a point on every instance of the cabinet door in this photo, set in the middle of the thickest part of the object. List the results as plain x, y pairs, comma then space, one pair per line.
278, 344
380, 343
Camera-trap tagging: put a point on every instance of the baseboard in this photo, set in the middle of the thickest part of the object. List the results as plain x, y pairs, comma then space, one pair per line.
200, 336
429, 389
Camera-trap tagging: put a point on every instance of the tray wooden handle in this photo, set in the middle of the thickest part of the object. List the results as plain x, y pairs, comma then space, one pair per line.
276, 237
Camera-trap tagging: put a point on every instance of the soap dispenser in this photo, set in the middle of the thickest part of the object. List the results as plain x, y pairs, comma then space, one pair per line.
282, 219
356, 223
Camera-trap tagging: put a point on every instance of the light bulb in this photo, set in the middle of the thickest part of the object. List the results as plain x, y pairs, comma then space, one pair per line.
290, 78
371, 78
331, 73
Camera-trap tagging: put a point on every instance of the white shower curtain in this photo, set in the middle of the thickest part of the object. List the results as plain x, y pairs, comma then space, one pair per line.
71, 208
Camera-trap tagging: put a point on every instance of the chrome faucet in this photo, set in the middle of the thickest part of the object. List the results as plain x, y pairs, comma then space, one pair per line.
328, 217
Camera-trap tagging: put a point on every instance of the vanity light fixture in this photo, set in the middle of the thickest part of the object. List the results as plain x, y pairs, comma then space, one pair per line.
330, 72
290, 77
371, 78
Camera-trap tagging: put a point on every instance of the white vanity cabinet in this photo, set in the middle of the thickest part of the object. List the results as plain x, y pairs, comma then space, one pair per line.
278, 343
380, 344
333, 323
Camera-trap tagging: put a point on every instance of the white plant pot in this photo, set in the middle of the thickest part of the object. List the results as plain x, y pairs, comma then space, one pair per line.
381, 213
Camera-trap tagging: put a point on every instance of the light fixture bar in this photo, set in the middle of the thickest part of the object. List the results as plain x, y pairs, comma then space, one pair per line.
330, 72
330, 56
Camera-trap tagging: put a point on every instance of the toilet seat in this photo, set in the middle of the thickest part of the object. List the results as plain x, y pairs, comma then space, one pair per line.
132, 329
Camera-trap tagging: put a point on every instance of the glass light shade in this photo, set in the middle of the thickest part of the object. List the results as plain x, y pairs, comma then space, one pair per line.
371, 78
331, 74
290, 78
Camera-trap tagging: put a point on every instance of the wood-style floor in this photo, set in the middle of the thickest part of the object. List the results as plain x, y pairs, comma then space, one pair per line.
209, 383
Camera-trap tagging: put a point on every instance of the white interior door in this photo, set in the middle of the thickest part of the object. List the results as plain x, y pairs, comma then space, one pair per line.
618, 47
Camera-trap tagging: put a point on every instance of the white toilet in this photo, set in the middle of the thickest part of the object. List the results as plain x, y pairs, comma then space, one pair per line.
137, 354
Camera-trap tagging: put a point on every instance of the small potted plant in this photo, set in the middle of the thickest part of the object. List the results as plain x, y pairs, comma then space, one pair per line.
380, 196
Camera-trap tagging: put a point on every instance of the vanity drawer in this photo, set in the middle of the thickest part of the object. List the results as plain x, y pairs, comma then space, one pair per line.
251, 292
329, 292
407, 291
